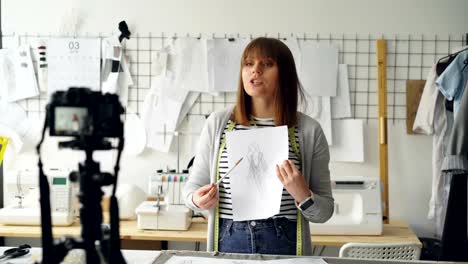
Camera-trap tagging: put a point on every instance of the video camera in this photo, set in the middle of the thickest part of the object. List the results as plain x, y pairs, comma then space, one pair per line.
81, 112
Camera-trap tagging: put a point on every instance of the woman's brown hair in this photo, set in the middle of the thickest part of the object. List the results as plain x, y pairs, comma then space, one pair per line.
286, 97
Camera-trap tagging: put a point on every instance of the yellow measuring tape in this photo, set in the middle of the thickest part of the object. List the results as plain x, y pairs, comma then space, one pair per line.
3, 145
292, 139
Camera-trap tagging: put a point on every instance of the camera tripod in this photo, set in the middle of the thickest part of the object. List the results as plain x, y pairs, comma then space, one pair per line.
101, 244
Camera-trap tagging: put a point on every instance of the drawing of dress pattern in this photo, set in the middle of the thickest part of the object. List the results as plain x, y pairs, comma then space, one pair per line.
257, 166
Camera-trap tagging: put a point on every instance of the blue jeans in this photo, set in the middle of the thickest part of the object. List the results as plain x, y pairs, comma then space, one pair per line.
268, 236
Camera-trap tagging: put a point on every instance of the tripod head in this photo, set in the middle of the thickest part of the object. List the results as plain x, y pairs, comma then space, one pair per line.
90, 117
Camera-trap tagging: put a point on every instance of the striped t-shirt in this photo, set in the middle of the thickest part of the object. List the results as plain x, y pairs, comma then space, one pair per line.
288, 208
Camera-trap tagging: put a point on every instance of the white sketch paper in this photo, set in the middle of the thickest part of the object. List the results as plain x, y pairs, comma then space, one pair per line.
17, 77
190, 64
224, 58
255, 188
341, 104
319, 68
73, 62
348, 144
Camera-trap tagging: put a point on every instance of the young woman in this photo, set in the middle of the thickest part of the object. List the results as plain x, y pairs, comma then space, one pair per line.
267, 96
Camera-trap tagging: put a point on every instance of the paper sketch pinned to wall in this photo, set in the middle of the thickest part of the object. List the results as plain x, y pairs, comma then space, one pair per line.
255, 188
348, 145
319, 68
17, 77
318, 107
224, 57
217, 260
341, 104
74, 62
190, 63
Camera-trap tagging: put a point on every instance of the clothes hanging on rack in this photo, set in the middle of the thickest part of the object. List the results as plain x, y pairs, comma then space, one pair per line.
431, 119
434, 118
457, 147
451, 82
455, 169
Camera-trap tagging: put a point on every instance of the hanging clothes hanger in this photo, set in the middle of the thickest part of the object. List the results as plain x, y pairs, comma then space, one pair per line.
445, 61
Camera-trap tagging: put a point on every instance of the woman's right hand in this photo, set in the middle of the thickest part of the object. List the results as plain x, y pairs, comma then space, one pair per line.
206, 196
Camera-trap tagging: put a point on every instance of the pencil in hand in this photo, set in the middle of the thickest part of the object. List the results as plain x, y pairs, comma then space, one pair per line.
227, 173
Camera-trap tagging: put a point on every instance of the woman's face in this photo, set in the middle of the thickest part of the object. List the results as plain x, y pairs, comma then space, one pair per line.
260, 77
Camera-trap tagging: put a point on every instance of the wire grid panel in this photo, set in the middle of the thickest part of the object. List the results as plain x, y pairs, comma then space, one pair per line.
408, 57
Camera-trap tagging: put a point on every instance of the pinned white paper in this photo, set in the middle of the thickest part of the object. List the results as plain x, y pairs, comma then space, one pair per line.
73, 62
341, 104
255, 188
17, 76
293, 46
135, 135
348, 144
190, 64
319, 109
319, 68
224, 58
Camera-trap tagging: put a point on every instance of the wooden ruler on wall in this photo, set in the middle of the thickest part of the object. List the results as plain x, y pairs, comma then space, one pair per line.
383, 147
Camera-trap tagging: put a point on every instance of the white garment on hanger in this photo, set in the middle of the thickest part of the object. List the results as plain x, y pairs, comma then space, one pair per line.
431, 119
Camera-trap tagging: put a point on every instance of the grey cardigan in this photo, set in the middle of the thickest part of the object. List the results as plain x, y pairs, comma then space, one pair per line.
315, 157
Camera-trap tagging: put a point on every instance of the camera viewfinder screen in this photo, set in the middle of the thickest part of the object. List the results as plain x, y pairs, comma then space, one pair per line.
71, 120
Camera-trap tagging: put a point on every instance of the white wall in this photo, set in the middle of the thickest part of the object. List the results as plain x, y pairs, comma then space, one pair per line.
409, 156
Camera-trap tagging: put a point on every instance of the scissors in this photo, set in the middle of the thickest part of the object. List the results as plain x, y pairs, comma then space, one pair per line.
15, 252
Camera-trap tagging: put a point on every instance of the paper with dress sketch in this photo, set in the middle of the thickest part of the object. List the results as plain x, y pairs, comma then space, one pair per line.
17, 76
341, 104
348, 141
319, 68
205, 260
255, 188
224, 58
73, 62
293, 46
161, 110
190, 64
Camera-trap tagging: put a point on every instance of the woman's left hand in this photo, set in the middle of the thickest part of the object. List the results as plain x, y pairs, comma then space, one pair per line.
293, 180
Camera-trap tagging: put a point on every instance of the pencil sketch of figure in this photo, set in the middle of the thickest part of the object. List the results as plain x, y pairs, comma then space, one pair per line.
257, 165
